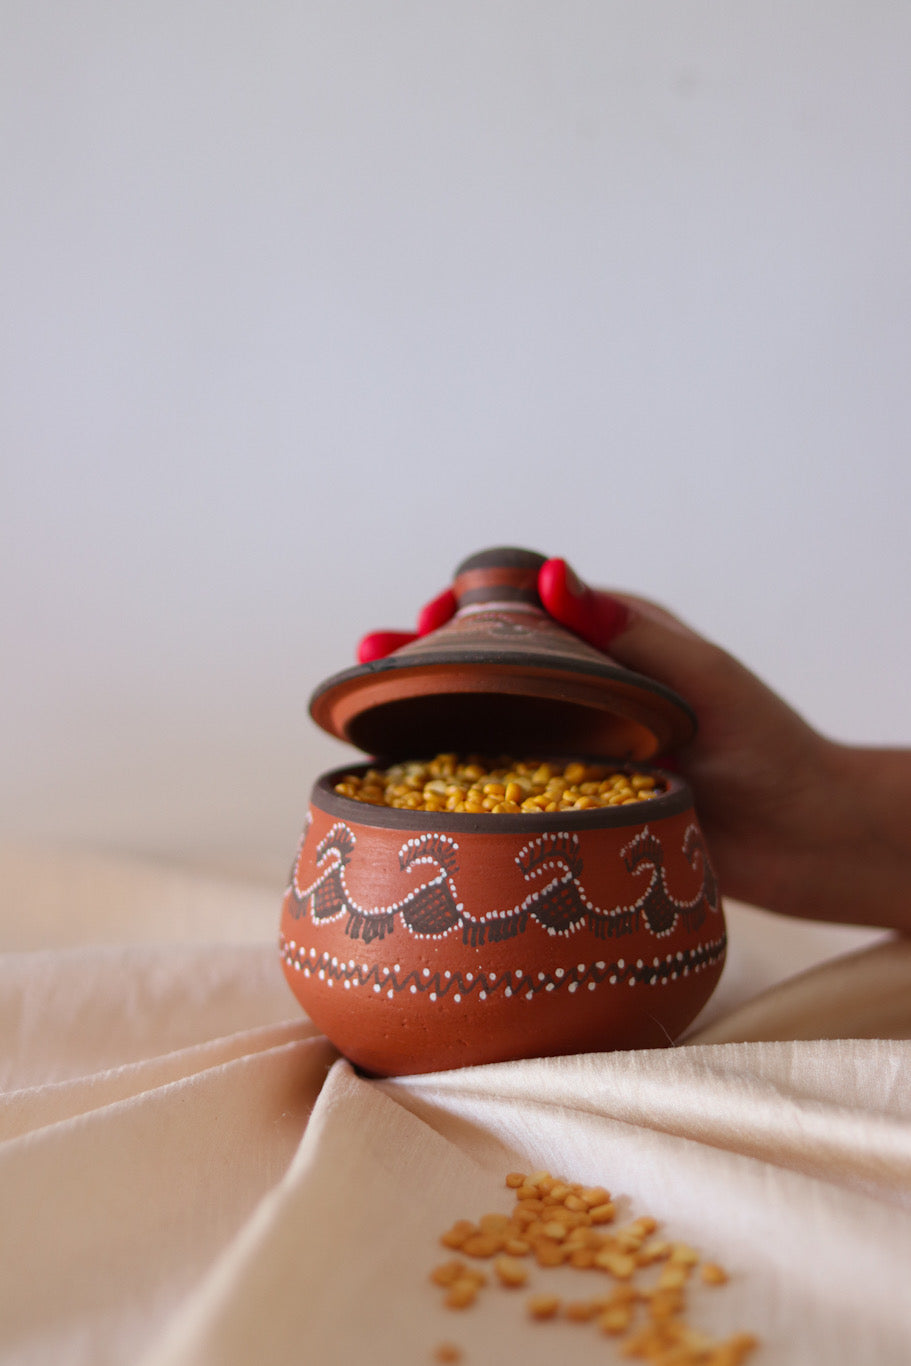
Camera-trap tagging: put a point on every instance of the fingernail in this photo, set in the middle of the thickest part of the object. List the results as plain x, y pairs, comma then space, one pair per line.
379, 644
436, 612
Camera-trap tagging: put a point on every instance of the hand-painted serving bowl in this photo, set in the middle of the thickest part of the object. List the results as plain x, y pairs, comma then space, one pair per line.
421, 941
418, 940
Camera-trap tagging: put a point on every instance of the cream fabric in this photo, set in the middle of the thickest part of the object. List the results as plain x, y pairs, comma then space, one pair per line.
189, 1174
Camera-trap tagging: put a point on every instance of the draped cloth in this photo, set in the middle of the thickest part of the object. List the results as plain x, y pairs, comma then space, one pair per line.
189, 1173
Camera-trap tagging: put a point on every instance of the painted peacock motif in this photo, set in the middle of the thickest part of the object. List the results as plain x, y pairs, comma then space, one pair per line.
558, 901
428, 910
657, 906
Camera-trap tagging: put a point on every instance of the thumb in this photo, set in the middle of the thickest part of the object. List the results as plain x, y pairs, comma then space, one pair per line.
588, 612
658, 644
637, 633
736, 711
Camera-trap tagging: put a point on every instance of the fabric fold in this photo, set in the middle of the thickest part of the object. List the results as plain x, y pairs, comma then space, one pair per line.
36, 1107
190, 1176
67, 1014
836, 1110
118, 1211
334, 1265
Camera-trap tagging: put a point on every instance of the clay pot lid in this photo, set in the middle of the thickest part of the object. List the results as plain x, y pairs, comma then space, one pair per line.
501, 677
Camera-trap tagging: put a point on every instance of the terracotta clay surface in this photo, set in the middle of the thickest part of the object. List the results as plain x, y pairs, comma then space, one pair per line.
502, 674
420, 942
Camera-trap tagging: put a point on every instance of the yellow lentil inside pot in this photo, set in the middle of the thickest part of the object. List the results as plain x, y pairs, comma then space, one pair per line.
477, 786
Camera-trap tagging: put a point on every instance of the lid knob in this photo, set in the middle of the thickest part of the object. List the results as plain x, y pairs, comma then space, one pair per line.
504, 574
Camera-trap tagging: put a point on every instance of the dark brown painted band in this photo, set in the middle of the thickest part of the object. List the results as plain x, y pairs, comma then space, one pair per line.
499, 583
676, 799
502, 557
501, 592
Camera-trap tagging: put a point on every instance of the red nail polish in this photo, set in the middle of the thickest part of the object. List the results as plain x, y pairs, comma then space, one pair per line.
591, 614
379, 644
436, 612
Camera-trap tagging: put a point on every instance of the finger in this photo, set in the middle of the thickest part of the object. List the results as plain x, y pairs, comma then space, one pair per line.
656, 643
594, 615
379, 644
437, 612
639, 634
734, 708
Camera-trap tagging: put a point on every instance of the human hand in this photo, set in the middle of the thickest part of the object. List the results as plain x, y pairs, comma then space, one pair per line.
793, 819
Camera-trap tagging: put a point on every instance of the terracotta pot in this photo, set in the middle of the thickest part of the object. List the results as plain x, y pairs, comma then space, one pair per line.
420, 942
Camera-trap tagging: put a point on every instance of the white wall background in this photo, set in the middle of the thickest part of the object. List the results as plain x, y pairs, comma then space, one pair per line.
302, 302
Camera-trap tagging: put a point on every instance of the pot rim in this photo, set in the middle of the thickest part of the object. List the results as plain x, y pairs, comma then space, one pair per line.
675, 799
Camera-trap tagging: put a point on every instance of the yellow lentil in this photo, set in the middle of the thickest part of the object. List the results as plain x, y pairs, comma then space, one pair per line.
602, 1214
455, 1236
581, 1311
494, 1223
461, 1294
499, 786
673, 1277
549, 1252
619, 1264
447, 1272
447, 1353
543, 1306
510, 1271
616, 1319
481, 1245
558, 1223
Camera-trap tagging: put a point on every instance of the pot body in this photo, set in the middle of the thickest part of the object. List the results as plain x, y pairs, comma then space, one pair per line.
419, 942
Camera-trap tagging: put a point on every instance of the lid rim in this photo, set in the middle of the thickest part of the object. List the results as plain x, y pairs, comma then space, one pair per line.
513, 665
